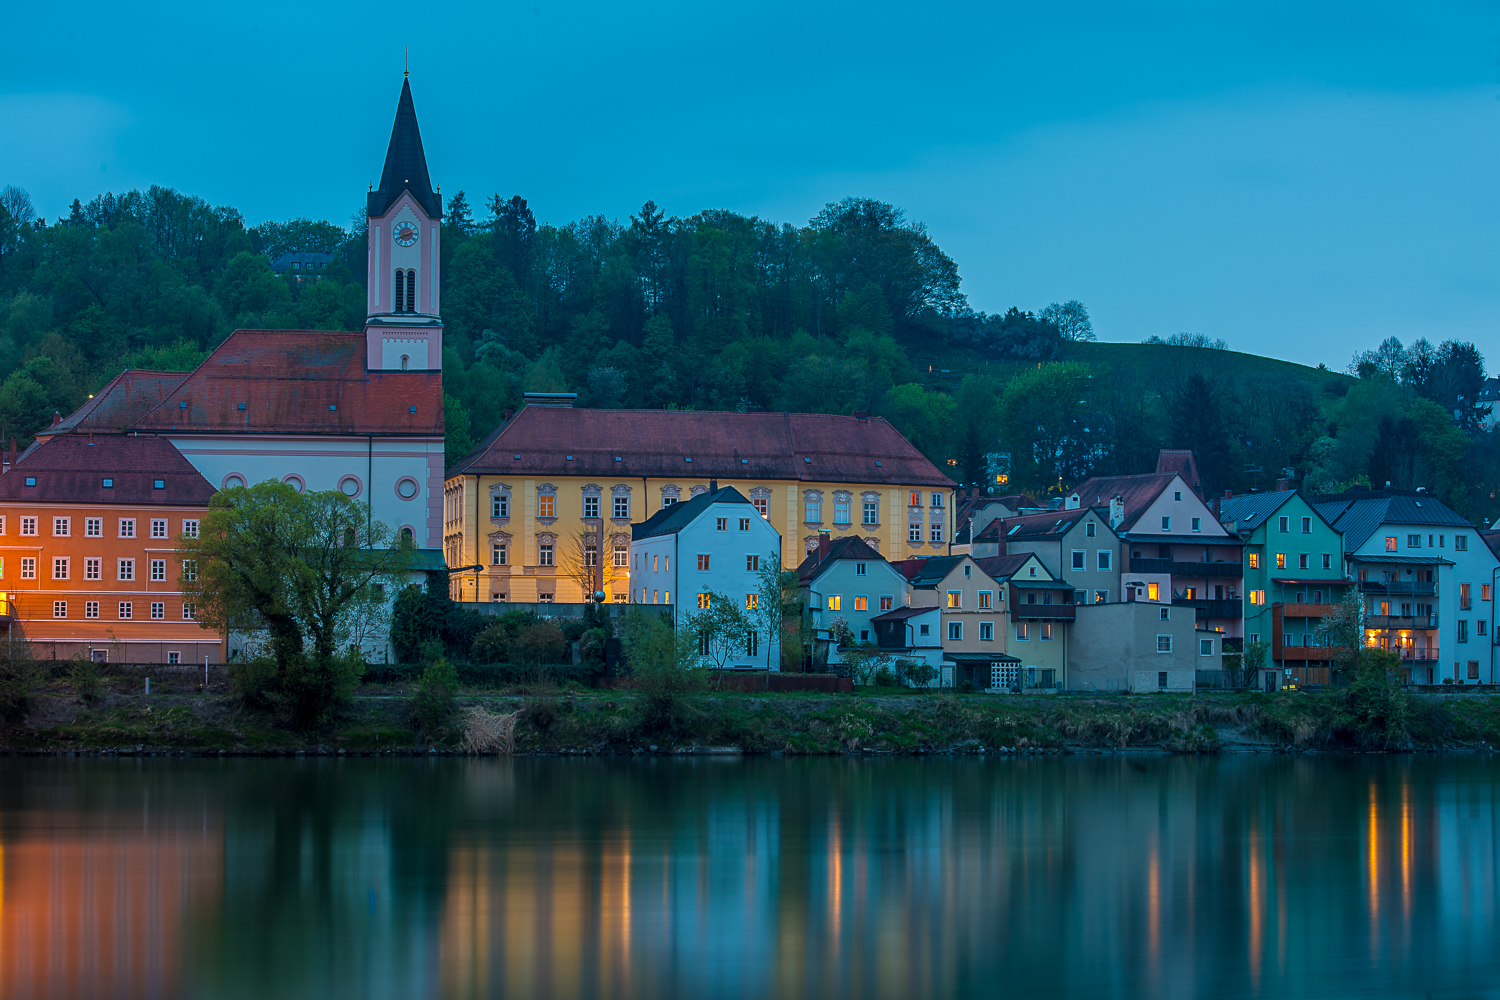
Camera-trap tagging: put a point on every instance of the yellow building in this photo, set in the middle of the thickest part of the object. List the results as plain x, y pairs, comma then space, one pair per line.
525, 513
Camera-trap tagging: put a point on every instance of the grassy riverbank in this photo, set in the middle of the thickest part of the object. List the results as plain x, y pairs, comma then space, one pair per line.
880, 720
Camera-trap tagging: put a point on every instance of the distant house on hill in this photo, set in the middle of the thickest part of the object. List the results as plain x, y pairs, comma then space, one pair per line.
300, 265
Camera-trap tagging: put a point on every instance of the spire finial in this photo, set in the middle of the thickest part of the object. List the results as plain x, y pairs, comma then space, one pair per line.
407, 74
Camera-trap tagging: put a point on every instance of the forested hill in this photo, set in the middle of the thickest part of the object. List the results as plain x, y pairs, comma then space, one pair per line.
858, 309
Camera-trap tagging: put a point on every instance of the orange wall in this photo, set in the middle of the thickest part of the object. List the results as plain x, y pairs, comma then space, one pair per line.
34, 598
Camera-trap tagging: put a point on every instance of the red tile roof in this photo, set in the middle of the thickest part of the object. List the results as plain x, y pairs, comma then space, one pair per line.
848, 547
72, 468
298, 382
1137, 491
1183, 462
813, 447
128, 397
1053, 522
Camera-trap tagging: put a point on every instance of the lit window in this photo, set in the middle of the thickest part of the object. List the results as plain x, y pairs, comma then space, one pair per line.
1255, 560
1101, 597
1281, 560
762, 506
752, 602
955, 599
1046, 631
1390, 543
1023, 631
1153, 591
861, 603
984, 599
835, 602
702, 562
546, 505
703, 601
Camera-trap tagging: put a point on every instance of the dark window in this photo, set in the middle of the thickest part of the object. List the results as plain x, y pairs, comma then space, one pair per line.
400, 304
411, 291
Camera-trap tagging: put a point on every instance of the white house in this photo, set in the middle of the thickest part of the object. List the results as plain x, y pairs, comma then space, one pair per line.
714, 544
848, 580
1427, 577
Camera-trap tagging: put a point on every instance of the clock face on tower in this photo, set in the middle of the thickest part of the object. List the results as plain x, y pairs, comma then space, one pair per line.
406, 234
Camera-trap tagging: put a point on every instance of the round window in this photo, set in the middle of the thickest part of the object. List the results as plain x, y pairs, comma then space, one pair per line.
295, 482
233, 482
350, 486
406, 489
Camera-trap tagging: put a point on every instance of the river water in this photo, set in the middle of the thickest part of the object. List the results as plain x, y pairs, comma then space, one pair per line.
1087, 877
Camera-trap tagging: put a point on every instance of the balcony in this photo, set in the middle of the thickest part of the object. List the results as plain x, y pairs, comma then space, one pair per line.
1191, 570
1421, 654
1212, 608
1401, 623
1307, 610
1398, 589
1044, 612
1302, 654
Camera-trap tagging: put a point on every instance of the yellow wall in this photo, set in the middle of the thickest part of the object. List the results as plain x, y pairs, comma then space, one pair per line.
523, 579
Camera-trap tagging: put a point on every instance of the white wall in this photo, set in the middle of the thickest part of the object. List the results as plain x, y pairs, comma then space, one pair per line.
323, 462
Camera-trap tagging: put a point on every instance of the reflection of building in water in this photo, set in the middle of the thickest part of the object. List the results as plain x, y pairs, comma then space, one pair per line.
99, 909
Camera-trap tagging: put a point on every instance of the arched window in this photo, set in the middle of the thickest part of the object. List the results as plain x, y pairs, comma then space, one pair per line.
404, 359
411, 290
400, 304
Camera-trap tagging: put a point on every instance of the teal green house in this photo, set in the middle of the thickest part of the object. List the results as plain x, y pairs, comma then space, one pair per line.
1294, 574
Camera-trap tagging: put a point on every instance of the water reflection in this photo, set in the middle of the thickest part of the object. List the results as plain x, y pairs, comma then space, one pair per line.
763, 878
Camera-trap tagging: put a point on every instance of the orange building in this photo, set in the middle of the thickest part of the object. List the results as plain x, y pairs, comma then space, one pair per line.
88, 537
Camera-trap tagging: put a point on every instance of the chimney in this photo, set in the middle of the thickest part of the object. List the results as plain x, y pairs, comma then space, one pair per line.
56, 418
824, 544
1229, 494
861, 414
505, 419
12, 462
1282, 485
1116, 511
713, 486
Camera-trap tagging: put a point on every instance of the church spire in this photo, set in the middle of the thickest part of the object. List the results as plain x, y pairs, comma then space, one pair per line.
405, 164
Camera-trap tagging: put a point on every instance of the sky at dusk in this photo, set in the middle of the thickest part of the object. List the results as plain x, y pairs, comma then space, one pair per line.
1299, 179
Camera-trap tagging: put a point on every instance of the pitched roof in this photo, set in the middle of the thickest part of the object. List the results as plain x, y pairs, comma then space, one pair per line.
1492, 539
125, 399
72, 468
675, 516
1137, 491
298, 382
849, 547
1002, 568
697, 444
1359, 513
1251, 510
405, 164
907, 612
933, 571
1052, 522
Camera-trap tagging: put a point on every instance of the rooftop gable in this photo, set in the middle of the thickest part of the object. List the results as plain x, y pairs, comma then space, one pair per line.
848, 549
1007, 567
674, 517
1359, 513
105, 469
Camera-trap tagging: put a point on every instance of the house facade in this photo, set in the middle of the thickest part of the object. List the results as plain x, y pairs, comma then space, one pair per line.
89, 529
1294, 575
711, 547
1427, 578
1140, 647
847, 581
522, 509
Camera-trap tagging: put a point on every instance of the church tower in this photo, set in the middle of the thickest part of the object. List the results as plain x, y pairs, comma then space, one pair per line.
402, 329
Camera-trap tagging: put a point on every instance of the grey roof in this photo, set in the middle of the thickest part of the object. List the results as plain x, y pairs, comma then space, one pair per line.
675, 516
1253, 509
850, 547
981, 658
1386, 557
285, 261
906, 612
1358, 514
933, 571
405, 164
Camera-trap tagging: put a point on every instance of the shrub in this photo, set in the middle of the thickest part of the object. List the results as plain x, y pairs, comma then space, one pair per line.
18, 676
87, 678
254, 681
313, 689
432, 697
540, 714
539, 643
886, 677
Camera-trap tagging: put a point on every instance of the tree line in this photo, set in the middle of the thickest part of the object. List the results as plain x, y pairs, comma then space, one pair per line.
858, 309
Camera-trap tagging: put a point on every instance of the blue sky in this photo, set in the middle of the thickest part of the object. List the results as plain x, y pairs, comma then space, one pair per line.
1301, 180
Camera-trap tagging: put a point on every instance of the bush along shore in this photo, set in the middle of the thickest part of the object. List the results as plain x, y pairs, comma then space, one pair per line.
84, 713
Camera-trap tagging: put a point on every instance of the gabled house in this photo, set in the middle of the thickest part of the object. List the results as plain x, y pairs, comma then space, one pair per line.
1427, 577
1175, 546
1078, 542
1294, 575
846, 581
713, 544
976, 512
